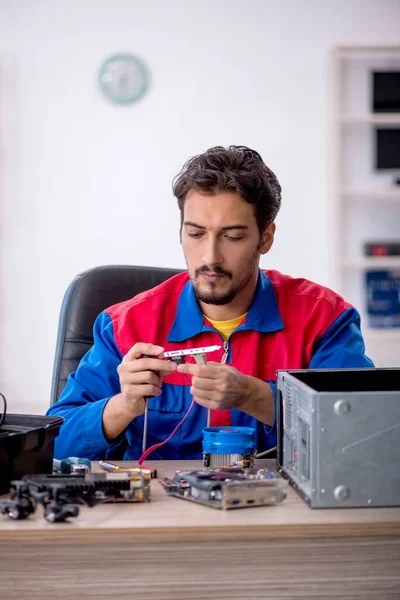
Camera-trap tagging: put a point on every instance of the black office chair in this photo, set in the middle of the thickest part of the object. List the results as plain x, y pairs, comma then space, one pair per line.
86, 297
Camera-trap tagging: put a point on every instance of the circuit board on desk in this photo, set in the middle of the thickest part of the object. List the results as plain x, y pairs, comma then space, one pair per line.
226, 488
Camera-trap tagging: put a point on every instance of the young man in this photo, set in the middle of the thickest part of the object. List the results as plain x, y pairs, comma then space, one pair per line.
263, 321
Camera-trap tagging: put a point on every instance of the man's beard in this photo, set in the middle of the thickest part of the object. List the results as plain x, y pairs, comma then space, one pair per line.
212, 296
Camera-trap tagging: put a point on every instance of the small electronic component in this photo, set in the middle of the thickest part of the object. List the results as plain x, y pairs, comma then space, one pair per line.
225, 446
113, 468
61, 494
72, 464
199, 354
227, 488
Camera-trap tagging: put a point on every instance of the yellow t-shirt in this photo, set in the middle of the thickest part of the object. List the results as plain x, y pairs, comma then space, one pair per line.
225, 328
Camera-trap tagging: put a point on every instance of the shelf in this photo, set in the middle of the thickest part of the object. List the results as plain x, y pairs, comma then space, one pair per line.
373, 119
382, 333
365, 199
372, 262
363, 51
391, 195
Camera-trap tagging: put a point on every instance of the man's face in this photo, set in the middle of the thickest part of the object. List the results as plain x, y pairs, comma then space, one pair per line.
222, 246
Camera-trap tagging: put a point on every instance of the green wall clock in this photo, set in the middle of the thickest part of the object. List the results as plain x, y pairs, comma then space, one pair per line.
123, 78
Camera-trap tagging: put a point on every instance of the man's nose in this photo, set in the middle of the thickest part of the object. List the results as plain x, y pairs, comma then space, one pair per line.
212, 253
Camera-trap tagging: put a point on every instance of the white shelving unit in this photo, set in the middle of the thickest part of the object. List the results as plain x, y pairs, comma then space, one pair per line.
382, 195
371, 262
365, 201
389, 119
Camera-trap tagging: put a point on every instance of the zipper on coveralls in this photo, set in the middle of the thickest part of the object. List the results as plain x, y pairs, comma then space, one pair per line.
226, 351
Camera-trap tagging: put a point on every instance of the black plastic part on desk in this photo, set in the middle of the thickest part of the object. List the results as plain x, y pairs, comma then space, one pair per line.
26, 446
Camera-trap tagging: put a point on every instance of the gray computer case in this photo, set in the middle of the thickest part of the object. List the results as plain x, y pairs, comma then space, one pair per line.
339, 436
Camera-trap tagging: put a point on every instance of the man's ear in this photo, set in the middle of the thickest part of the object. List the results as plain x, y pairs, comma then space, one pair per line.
268, 238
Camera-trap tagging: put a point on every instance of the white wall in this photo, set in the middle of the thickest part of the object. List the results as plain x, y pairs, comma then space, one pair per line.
85, 183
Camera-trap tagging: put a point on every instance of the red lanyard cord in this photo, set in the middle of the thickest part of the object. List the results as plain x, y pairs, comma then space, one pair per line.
152, 448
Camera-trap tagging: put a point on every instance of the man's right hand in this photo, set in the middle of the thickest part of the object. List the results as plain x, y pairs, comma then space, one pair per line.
139, 378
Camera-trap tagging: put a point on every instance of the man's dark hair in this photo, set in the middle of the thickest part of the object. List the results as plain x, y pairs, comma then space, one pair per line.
235, 169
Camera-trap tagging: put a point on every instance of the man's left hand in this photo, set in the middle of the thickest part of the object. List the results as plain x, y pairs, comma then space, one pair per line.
217, 386
221, 387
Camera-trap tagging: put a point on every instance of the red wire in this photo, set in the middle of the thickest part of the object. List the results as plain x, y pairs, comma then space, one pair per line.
152, 448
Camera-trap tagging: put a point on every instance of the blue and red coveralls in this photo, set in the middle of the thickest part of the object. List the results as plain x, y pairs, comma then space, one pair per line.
291, 324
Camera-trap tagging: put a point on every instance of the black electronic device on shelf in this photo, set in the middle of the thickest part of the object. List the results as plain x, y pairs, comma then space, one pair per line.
385, 98
382, 248
387, 148
386, 91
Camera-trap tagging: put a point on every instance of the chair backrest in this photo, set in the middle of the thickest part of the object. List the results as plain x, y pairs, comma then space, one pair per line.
86, 297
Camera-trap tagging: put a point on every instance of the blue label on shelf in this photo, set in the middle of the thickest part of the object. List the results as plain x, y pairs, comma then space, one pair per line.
383, 298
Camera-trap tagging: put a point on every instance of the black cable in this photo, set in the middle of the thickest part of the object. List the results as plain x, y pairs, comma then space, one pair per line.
3, 416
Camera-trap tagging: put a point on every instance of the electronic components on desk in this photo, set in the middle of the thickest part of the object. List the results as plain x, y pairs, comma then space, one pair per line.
72, 464
60, 495
227, 488
225, 446
109, 466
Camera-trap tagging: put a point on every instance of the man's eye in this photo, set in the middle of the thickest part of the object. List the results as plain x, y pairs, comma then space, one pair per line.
195, 236
233, 239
